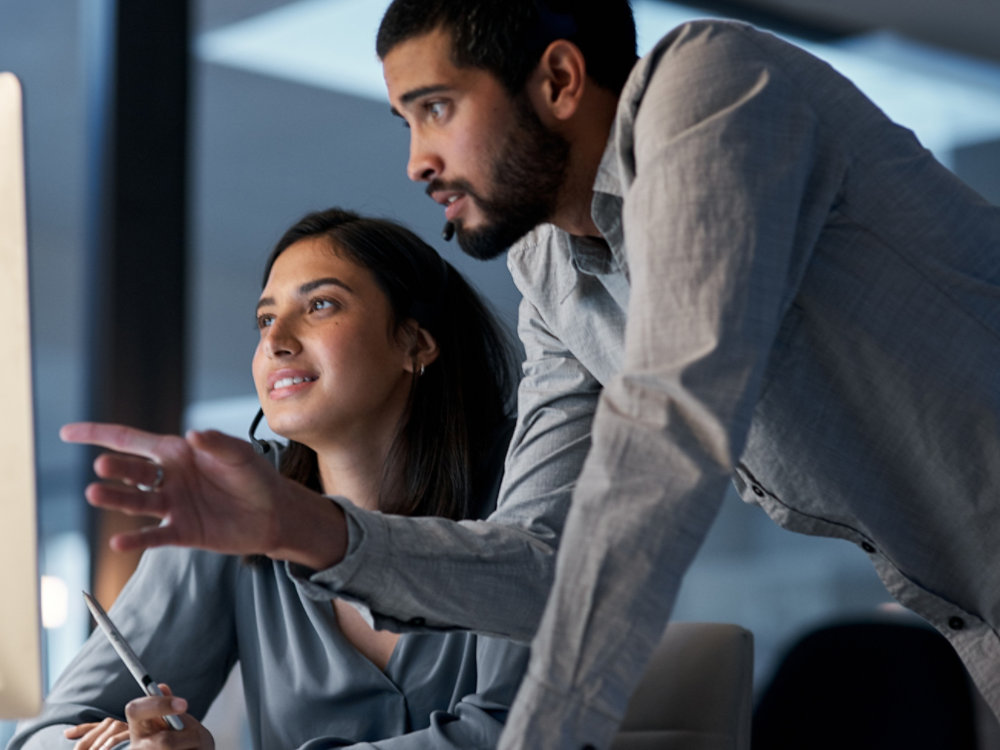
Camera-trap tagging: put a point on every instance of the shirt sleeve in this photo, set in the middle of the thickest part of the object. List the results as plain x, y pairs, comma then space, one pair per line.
488, 576
174, 632
728, 198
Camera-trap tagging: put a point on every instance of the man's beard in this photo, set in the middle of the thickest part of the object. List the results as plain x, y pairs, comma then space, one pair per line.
528, 173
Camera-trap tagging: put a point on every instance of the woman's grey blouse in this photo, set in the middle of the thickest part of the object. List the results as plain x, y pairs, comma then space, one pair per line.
191, 615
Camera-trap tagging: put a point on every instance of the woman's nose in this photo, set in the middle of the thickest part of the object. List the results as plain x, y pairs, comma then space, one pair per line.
280, 340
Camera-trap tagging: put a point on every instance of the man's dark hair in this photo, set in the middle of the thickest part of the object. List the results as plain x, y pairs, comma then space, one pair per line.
507, 37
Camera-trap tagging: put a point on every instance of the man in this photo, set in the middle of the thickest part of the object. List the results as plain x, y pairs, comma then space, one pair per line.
764, 280
734, 267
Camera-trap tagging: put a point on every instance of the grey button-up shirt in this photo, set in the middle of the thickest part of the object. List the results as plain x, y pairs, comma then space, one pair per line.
190, 615
792, 294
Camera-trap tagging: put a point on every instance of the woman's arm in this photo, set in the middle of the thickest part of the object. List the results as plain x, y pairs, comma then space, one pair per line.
176, 613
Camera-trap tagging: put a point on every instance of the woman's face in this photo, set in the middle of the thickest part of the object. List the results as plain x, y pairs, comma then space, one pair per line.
328, 367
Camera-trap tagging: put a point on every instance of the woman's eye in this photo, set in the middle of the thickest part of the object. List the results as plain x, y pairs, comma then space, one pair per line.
321, 304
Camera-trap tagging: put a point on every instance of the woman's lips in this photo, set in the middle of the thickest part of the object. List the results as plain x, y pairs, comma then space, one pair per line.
289, 384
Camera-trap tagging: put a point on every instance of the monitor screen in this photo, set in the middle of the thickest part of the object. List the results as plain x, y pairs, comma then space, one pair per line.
20, 621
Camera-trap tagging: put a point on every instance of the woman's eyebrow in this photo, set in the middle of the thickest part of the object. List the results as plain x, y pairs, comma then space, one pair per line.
309, 286
325, 281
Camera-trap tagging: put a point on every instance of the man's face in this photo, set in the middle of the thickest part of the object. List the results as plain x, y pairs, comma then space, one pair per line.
485, 156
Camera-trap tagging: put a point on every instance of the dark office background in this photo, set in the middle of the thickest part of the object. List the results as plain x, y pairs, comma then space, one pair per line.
161, 215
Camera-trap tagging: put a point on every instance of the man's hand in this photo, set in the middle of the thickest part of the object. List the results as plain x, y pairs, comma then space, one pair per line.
211, 491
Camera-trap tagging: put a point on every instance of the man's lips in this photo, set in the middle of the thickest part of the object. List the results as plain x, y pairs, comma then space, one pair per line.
451, 200
454, 207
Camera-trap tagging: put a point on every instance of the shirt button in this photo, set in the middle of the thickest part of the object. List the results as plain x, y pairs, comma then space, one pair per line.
956, 623
868, 547
758, 490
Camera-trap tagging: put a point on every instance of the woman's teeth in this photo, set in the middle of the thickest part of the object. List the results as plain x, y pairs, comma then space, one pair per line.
286, 382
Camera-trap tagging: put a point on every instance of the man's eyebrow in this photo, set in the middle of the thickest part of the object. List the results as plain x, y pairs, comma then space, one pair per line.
410, 96
309, 286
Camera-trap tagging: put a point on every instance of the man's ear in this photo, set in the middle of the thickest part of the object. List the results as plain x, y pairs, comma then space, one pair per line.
423, 348
559, 80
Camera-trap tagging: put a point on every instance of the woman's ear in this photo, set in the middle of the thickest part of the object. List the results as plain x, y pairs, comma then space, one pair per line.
559, 80
423, 348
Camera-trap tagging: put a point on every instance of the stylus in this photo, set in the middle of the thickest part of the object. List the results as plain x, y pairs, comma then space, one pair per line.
127, 655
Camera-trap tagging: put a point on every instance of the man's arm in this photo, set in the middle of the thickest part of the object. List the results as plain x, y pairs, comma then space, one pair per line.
720, 220
488, 576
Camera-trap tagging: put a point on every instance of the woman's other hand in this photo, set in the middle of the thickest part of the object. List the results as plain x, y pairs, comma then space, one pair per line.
98, 735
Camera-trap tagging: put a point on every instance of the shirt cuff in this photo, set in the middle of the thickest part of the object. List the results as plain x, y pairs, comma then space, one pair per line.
543, 717
365, 529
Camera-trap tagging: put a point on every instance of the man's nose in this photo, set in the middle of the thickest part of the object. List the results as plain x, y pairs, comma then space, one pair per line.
424, 164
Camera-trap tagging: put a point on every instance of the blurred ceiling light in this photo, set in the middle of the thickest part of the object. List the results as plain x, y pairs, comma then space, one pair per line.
948, 99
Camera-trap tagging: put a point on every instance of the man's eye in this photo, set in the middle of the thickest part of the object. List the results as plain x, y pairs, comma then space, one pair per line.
436, 109
265, 321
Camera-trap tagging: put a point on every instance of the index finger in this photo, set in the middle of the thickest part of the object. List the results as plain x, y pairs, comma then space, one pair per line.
117, 437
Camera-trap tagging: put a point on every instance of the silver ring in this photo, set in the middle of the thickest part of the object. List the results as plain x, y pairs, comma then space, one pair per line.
157, 482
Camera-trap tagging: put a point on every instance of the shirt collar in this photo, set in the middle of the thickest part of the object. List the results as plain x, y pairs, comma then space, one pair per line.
608, 178
591, 255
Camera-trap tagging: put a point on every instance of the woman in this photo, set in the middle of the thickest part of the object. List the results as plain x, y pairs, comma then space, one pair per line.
391, 382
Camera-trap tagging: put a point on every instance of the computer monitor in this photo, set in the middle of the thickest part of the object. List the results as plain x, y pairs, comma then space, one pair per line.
20, 621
